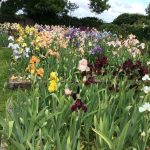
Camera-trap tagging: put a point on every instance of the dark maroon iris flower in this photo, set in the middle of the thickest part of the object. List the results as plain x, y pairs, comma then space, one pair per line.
128, 64
78, 105
143, 71
132, 70
101, 62
90, 80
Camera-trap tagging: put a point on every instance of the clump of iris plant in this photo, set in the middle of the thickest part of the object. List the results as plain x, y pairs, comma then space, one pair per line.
132, 70
87, 69
78, 104
33, 68
100, 64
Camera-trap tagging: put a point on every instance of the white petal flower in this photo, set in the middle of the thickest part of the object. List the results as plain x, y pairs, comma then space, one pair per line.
143, 134
146, 89
16, 57
10, 38
145, 107
10, 45
26, 55
15, 52
27, 50
142, 45
16, 46
148, 63
141, 109
146, 77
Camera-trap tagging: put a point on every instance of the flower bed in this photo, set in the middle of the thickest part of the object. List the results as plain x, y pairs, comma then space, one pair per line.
89, 90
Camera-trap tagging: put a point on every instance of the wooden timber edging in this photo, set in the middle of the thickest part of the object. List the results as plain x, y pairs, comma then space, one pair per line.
15, 84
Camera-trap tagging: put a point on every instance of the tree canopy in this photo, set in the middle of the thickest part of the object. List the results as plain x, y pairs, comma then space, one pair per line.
148, 10
129, 19
35, 8
98, 6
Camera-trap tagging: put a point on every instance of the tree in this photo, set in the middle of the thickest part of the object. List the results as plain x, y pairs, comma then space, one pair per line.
91, 22
148, 10
129, 19
33, 7
71, 7
8, 10
44, 6
40, 10
98, 6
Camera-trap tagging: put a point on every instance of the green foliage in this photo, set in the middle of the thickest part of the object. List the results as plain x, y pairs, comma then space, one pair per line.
8, 10
91, 22
37, 119
142, 33
130, 19
72, 6
98, 6
148, 10
5, 56
32, 8
69, 21
3, 39
46, 9
36, 7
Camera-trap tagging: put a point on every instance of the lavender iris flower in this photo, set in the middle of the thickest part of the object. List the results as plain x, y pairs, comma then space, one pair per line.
96, 50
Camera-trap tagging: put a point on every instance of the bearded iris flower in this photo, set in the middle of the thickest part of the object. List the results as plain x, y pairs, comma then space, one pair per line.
53, 82
96, 50
78, 104
145, 107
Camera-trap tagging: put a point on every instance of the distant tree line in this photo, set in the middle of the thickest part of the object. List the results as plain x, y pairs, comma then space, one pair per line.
58, 12
44, 10
131, 19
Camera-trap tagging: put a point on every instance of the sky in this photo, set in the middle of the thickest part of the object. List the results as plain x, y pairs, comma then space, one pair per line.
117, 7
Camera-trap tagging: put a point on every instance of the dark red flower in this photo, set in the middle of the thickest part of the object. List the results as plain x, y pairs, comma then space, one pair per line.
73, 108
138, 63
101, 62
78, 105
143, 71
84, 108
128, 64
90, 80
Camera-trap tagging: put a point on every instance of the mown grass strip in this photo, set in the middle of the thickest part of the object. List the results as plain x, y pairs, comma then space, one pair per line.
5, 58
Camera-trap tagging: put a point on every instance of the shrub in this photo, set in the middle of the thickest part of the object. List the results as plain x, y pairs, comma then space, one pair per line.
129, 19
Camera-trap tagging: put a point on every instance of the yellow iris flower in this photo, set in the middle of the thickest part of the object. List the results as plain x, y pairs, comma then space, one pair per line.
53, 82
52, 86
53, 76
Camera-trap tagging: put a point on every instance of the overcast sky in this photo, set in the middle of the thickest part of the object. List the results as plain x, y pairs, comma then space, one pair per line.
117, 7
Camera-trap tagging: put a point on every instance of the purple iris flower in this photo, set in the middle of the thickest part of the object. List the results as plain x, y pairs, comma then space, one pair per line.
96, 50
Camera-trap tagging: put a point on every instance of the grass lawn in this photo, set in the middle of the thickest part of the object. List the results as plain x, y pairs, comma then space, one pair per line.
5, 58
